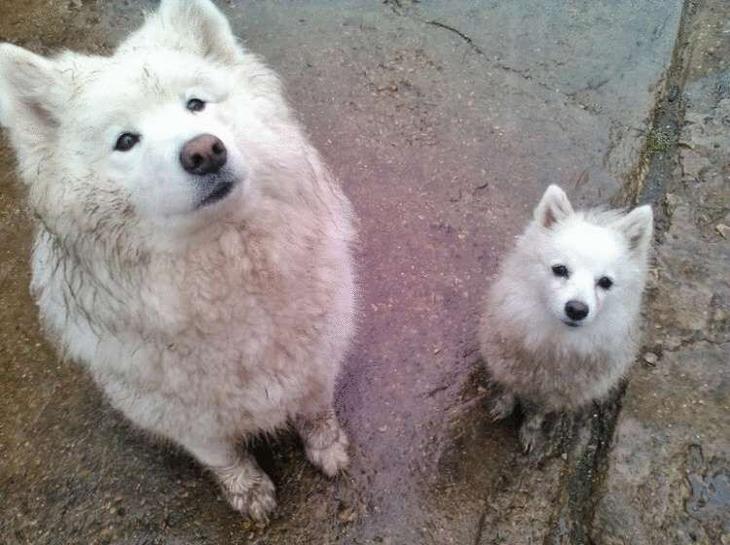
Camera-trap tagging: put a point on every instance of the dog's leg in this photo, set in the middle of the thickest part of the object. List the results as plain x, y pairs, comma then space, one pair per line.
324, 441
502, 406
245, 485
531, 434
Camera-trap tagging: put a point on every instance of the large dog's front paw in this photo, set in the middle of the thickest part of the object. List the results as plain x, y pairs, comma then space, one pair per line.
248, 490
325, 443
331, 459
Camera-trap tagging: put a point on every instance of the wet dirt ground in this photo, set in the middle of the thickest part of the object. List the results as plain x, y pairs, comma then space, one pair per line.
445, 122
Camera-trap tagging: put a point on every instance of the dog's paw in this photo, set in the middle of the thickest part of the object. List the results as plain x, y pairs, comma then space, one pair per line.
331, 459
533, 443
249, 491
257, 501
543, 436
532, 436
502, 407
324, 442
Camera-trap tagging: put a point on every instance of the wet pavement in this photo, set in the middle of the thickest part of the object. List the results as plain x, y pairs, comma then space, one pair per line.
445, 122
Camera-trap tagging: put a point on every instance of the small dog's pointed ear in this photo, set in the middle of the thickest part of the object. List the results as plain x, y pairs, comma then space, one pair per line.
638, 227
553, 207
30, 91
199, 27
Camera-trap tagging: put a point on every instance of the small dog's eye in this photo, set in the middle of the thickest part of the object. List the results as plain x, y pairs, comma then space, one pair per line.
195, 105
126, 142
561, 270
605, 282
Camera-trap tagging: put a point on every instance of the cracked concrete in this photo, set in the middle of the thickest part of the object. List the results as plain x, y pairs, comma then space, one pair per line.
445, 122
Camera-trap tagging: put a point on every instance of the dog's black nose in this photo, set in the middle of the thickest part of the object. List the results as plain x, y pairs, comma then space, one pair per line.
204, 154
576, 310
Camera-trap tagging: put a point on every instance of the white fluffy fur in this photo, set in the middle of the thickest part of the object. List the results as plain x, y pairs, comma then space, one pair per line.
529, 349
204, 325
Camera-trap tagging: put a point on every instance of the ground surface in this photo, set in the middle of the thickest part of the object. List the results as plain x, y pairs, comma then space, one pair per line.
445, 121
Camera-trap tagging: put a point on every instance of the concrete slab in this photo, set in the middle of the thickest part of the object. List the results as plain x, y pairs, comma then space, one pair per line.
445, 121
668, 476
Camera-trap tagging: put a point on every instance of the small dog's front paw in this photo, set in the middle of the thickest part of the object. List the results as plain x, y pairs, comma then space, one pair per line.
532, 436
502, 407
249, 491
543, 436
532, 442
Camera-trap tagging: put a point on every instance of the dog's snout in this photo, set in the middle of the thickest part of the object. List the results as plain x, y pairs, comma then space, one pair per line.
576, 310
204, 154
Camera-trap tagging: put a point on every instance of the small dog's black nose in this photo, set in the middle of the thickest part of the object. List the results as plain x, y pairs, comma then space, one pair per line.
576, 310
204, 154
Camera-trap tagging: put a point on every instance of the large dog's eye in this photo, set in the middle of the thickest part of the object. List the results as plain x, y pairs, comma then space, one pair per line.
561, 271
195, 105
605, 282
126, 142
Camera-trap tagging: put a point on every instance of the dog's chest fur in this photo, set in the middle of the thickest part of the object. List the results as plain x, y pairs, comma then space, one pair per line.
557, 377
245, 327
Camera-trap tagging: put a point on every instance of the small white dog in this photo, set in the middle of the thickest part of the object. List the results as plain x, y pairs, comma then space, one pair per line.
192, 250
561, 323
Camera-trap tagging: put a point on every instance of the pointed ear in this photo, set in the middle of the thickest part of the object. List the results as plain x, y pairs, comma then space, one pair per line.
638, 227
197, 26
31, 91
553, 207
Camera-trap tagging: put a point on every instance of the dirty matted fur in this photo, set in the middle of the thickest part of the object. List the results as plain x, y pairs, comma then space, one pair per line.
204, 321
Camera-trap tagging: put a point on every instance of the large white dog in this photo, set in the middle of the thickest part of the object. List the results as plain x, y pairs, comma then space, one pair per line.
191, 250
